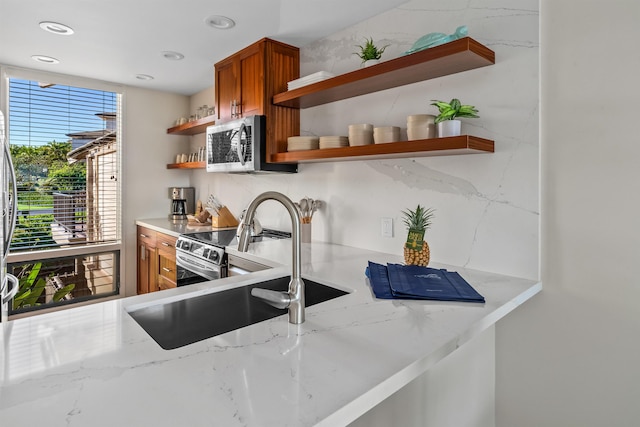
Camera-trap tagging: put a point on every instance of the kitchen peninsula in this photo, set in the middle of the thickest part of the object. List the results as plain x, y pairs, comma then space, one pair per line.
95, 366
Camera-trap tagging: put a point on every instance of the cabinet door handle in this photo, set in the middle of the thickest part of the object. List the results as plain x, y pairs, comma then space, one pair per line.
235, 108
166, 244
143, 253
144, 236
168, 270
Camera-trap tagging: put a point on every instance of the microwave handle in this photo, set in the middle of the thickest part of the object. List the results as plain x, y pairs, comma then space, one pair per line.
242, 151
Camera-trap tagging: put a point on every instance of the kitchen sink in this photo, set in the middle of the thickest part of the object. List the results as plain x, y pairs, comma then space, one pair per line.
190, 320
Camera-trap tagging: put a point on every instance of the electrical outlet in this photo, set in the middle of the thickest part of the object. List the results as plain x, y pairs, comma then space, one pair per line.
387, 227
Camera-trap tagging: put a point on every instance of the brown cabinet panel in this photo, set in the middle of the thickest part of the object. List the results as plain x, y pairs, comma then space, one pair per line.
226, 88
167, 243
283, 66
166, 269
147, 236
251, 68
156, 261
166, 261
146, 257
251, 78
164, 283
146, 268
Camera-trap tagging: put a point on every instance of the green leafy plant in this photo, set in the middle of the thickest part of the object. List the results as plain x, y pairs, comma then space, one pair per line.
33, 285
370, 51
61, 293
454, 110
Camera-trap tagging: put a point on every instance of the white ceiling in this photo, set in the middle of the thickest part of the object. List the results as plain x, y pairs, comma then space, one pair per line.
115, 40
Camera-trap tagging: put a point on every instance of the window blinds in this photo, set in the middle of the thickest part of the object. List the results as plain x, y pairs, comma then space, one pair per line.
64, 144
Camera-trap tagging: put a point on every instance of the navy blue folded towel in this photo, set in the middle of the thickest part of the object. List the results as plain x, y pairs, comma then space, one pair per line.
396, 281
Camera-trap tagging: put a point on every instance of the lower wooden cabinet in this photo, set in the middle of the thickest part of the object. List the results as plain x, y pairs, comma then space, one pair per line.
146, 260
166, 261
156, 261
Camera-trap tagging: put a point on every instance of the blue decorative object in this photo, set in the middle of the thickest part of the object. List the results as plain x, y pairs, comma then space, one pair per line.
395, 281
435, 39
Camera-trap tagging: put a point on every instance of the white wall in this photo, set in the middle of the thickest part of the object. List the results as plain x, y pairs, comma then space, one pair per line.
146, 150
204, 97
570, 356
486, 205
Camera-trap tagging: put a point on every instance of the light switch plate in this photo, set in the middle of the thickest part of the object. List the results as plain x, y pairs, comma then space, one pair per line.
387, 227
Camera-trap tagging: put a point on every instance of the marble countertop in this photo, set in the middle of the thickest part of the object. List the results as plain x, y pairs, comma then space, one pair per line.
95, 366
166, 226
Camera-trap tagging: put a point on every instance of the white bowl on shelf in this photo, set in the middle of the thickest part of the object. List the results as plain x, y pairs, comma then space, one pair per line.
360, 134
362, 127
385, 134
333, 141
301, 143
421, 126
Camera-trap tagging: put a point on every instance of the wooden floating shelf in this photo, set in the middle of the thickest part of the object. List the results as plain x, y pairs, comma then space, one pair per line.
187, 165
453, 145
450, 58
193, 128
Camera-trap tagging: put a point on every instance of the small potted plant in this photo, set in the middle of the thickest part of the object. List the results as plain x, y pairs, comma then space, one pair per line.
369, 53
416, 249
447, 121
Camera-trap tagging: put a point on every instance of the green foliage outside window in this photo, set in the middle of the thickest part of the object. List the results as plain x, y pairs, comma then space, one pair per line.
31, 291
41, 171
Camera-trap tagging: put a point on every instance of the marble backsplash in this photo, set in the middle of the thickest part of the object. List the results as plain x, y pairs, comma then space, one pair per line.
487, 206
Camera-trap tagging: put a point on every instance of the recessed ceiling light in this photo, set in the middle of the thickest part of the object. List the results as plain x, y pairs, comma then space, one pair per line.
220, 22
45, 59
173, 56
144, 77
56, 28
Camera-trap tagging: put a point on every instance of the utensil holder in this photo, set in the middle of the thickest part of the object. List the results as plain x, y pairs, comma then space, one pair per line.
305, 232
224, 218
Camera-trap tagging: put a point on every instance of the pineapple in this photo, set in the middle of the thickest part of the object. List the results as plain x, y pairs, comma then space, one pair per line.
416, 250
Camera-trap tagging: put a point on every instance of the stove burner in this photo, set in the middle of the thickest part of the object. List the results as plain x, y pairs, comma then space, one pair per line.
219, 238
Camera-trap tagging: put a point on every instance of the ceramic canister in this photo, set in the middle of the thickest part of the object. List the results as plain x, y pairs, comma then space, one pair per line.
421, 126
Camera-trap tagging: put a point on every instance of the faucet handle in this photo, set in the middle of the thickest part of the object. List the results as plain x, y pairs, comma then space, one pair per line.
277, 299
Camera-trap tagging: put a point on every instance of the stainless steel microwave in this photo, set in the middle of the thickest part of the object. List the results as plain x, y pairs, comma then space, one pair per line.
239, 146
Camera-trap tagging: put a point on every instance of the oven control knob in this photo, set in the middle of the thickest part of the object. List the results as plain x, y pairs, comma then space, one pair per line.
214, 255
184, 245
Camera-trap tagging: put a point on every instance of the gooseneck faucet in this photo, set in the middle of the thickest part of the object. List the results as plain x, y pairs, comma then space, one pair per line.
294, 299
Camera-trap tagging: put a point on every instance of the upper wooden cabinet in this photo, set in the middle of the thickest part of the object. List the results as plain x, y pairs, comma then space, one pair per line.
246, 82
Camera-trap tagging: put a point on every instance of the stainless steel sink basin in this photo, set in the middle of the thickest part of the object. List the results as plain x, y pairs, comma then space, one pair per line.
190, 320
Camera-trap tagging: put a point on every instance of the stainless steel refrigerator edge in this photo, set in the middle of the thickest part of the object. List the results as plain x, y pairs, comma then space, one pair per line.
8, 282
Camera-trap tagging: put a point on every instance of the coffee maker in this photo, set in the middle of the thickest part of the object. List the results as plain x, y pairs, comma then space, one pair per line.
183, 202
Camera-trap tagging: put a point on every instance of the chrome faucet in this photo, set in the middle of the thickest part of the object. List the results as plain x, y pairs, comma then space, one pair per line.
294, 299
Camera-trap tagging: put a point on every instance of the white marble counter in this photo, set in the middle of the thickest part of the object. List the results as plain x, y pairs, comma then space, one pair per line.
95, 366
166, 226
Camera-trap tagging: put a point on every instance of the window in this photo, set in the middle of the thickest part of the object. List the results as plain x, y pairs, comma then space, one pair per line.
64, 145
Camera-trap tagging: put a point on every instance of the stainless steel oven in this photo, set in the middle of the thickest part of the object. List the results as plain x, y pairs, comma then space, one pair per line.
201, 257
